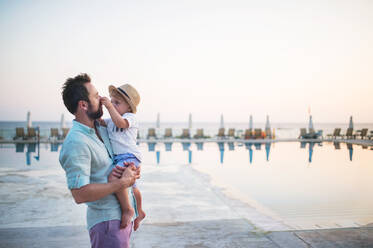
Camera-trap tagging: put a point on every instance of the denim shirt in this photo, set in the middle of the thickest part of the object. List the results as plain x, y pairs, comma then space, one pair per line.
87, 160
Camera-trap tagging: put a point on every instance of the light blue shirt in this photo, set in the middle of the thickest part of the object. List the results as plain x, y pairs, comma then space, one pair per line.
87, 160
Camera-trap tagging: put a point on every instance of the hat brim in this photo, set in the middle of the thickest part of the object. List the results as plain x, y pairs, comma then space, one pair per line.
133, 107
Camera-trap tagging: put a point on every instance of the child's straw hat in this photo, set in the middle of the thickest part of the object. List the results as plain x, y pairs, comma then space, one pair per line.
129, 93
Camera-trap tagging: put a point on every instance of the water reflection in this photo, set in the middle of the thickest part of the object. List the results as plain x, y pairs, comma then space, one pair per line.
31, 149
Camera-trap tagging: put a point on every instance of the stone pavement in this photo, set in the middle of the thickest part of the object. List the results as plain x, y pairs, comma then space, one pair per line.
184, 210
212, 234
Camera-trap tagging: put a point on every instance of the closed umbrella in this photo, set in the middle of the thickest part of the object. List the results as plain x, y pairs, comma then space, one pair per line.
221, 121
29, 122
310, 124
251, 124
190, 121
158, 123
62, 122
351, 124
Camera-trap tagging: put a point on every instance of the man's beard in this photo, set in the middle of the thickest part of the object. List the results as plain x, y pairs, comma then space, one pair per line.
94, 115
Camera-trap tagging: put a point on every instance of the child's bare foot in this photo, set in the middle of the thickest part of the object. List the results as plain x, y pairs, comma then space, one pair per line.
127, 215
139, 218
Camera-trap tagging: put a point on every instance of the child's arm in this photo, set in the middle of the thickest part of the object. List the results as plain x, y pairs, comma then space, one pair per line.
115, 116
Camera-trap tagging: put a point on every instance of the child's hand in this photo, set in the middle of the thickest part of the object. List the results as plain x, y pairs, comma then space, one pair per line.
105, 101
102, 122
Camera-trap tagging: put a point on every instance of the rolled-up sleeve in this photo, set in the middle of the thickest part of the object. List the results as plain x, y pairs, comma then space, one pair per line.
75, 159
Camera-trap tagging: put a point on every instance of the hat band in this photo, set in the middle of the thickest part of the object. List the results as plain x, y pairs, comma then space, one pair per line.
124, 93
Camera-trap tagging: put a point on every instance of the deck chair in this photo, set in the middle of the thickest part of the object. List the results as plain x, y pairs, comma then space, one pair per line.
31, 133
336, 133
268, 133
168, 133
369, 136
65, 131
349, 133
221, 132
20, 133
199, 134
185, 134
231, 132
54, 133
151, 134
248, 134
257, 133
303, 133
363, 133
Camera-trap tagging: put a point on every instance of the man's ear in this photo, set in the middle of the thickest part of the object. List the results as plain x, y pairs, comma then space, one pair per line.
83, 105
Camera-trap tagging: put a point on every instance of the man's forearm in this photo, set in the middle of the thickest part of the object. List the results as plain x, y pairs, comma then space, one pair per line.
95, 191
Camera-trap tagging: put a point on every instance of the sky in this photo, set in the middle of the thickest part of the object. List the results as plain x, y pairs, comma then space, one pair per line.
205, 57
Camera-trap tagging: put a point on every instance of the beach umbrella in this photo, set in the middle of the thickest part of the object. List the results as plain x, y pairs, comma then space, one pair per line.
268, 149
158, 123
29, 122
190, 121
310, 123
351, 124
268, 126
62, 122
221, 121
251, 125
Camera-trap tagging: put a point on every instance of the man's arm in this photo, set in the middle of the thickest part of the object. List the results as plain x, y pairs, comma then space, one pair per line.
96, 191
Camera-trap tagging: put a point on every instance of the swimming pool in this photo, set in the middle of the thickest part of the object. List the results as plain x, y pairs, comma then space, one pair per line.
310, 185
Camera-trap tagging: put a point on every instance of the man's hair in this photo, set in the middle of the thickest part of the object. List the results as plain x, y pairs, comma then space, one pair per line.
74, 91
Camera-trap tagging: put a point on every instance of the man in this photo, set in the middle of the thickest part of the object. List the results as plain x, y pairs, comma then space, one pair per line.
86, 157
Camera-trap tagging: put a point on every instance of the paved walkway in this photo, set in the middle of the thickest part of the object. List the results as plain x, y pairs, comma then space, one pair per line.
184, 210
214, 234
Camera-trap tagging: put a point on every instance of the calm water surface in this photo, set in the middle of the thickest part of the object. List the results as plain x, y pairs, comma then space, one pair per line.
306, 185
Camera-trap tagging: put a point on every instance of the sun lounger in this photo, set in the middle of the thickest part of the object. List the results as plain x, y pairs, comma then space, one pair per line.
199, 134
231, 132
248, 134
168, 133
151, 134
364, 133
336, 133
65, 131
31, 133
268, 133
54, 133
185, 134
349, 134
370, 135
303, 133
258, 133
221, 133
20, 133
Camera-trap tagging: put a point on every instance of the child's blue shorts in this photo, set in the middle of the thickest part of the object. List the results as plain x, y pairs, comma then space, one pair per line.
126, 157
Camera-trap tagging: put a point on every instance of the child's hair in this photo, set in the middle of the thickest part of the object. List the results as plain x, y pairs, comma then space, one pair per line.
118, 95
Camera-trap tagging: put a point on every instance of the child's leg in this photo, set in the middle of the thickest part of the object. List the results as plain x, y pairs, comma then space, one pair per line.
127, 210
141, 213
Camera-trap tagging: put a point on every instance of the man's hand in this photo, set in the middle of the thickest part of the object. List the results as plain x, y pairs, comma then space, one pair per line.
106, 102
127, 176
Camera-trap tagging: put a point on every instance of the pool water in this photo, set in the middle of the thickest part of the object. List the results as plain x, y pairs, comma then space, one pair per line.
306, 185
